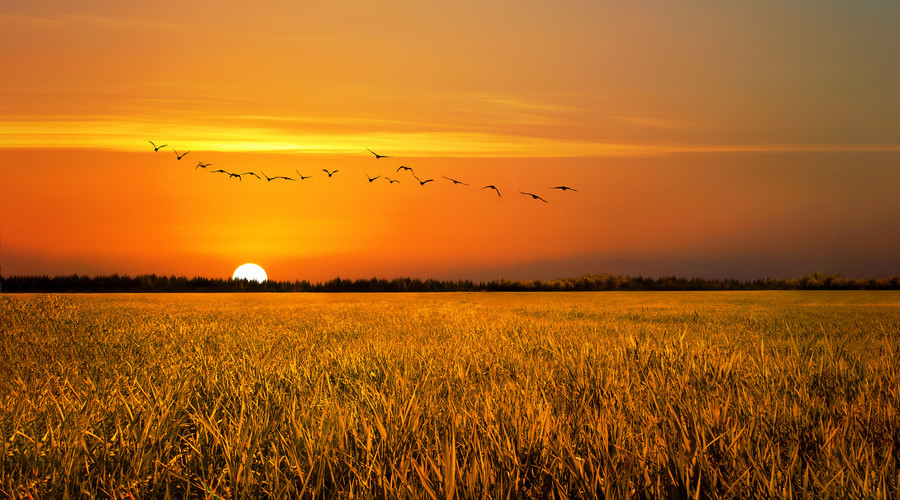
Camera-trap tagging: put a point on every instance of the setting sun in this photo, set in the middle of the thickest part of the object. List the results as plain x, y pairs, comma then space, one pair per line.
251, 272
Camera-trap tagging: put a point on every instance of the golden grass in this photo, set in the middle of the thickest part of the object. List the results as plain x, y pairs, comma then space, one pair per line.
687, 394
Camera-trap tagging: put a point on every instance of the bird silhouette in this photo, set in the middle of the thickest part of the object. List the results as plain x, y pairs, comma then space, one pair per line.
202, 165
454, 181
229, 174
564, 188
155, 147
277, 177
180, 156
421, 182
377, 156
534, 196
391, 180
372, 179
251, 173
405, 168
494, 188
302, 177
329, 173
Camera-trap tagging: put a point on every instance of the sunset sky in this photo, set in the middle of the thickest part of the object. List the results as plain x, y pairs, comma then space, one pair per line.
709, 139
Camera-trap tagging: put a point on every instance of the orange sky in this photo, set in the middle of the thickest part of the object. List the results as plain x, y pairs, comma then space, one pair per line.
704, 140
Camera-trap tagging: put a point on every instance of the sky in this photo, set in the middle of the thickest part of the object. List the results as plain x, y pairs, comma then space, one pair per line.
704, 139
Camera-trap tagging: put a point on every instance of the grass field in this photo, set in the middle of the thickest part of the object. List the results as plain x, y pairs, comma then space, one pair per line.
678, 394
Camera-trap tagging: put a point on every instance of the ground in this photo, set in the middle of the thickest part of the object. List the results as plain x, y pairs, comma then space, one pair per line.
576, 395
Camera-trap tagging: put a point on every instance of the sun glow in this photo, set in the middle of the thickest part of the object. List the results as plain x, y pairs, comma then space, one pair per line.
251, 272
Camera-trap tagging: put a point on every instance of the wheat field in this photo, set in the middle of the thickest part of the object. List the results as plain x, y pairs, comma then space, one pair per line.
481, 395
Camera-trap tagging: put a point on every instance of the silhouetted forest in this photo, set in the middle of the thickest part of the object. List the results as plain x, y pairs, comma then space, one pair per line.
591, 282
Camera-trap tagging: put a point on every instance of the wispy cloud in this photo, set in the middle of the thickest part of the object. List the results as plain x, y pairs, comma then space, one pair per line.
662, 123
83, 20
124, 135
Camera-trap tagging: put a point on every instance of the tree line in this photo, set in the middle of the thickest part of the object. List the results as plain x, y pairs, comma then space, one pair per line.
592, 282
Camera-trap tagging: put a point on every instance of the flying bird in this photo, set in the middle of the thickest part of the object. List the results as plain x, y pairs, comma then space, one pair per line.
302, 177
277, 177
372, 179
564, 188
534, 196
329, 173
202, 165
454, 181
251, 173
421, 182
229, 174
391, 180
155, 147
180, 156
377, 156
494, 188
405, 168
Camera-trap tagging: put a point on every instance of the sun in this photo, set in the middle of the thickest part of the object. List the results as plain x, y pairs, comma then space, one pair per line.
250, 272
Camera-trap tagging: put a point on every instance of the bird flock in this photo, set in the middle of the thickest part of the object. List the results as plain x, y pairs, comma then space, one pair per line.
330, 173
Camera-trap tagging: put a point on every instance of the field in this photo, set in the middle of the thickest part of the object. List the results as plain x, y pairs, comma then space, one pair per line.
565, 395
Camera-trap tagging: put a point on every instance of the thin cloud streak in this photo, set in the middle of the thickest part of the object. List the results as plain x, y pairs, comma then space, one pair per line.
124, 135
86, 21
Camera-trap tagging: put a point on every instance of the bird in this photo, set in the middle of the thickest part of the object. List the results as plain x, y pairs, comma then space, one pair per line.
229, 174
372, 179
534, 196
180, 156
377, 156
202, 165
302, 177
251, 173
405, 168
329, 173
421, 182
454, 181
564, 188
155, 147
494, 188
391, 180
277, 177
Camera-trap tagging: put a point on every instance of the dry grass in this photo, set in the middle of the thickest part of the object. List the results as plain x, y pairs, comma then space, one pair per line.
740, 394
